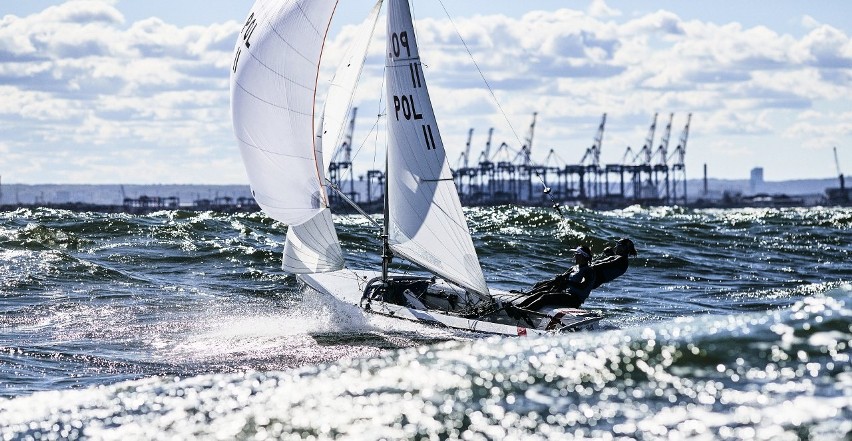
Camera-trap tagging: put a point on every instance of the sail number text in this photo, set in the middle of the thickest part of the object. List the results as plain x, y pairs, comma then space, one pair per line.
406, 105
248, 30
399, 41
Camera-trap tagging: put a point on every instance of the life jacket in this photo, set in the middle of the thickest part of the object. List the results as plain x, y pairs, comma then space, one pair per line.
609, 269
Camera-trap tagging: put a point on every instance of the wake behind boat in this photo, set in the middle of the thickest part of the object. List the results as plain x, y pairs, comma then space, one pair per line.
273, 101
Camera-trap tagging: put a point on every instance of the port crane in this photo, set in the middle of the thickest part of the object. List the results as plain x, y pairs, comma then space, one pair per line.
678, 166
647, 149
342, 159
527, 147
487, 152
663, 149
345, 148
592, 158
680, 150
594, 152
463, 159
463, 170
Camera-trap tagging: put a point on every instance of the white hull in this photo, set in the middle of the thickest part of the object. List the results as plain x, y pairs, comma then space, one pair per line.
348, 286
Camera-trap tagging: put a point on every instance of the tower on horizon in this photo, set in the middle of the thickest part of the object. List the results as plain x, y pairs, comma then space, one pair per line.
756, 179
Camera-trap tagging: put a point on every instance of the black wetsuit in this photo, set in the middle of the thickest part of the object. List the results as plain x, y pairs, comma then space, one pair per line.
569, 289
609, 269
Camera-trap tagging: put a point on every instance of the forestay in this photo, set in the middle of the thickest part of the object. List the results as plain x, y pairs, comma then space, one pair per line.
273, 90
427, 225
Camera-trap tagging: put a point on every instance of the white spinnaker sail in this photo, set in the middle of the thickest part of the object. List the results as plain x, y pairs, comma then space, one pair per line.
427, 225
273, 91
312, 247
342, 88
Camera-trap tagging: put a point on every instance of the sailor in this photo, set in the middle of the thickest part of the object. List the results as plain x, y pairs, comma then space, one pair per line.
569, 289
615, 264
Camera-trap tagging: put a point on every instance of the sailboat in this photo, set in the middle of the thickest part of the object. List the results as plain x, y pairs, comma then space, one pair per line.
274, 81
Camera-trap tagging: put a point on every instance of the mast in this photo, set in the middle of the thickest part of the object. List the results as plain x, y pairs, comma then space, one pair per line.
387, 256
426, 222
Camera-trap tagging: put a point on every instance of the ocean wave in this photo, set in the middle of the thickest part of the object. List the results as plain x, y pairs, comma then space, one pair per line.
745, 376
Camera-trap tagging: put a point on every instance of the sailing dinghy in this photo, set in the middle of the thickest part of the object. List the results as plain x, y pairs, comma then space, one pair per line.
274, 80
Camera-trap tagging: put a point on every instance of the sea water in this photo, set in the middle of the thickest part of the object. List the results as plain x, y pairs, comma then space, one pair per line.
729, 324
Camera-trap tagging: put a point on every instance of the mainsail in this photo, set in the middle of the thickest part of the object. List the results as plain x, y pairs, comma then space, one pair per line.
273, 90
427, 225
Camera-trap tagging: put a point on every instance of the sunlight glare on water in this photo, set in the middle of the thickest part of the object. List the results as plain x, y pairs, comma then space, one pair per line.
730, 324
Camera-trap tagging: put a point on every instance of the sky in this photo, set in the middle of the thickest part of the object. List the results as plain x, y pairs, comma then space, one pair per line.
137, 92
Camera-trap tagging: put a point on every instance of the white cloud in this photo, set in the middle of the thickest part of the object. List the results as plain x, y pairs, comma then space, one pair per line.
79, 78
599, 9
809, 22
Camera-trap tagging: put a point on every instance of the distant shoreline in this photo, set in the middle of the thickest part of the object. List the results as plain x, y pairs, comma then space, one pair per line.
141, 198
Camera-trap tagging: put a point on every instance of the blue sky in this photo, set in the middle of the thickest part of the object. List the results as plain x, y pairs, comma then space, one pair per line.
137, 91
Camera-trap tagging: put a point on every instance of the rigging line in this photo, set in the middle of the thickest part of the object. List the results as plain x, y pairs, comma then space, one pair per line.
379, 117
358, 78
488, 85
555, 204
352, 203
349, 172
374, 129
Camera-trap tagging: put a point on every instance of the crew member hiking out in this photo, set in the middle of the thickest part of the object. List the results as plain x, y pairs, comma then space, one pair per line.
615, 264
569, 289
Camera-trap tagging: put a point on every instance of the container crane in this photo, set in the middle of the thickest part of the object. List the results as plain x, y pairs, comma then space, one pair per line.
345, 148
649, 142
487, 152
527, 147
680, 150
463, 170
342, 158
594, 152
467, 147
486, 168
678, 165
663, 149
646, 149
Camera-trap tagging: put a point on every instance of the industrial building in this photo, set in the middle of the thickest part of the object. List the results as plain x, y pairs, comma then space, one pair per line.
650, 175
